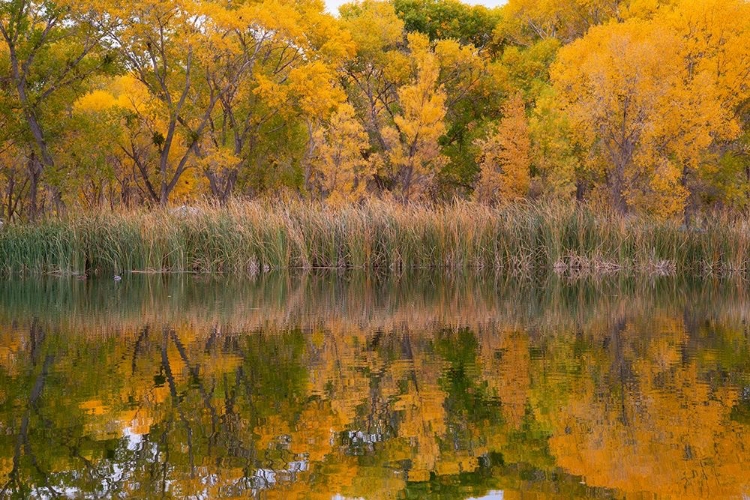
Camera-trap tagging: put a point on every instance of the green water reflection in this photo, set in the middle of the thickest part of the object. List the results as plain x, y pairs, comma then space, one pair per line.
354, 386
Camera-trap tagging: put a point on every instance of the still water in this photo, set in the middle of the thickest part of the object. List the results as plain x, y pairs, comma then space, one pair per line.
354, 386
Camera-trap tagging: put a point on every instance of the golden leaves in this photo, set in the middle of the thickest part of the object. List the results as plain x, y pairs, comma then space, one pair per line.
504, 157
373, 26
646, 98
414, 139
341, 169
643, 108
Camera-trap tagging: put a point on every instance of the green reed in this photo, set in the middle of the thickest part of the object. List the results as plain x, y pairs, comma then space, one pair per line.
252, 237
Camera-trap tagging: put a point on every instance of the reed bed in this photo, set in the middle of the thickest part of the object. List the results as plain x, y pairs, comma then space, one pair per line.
255, 237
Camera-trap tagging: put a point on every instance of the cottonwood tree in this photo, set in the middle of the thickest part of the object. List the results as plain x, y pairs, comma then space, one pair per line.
450, 20
556, 163
294, 52
473, 84
380, 66
340, 168
649, 98
716, 69
48, 51
526, 21
307, 97
412, 141
504, 157
189, 55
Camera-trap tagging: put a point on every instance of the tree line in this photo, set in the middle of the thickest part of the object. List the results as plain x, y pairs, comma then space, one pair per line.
638, 106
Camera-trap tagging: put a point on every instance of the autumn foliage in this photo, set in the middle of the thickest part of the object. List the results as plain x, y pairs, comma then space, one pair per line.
631, 105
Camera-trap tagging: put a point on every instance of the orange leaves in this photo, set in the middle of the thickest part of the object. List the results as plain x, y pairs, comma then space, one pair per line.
525, 21
328, 38
646, 98
504, 157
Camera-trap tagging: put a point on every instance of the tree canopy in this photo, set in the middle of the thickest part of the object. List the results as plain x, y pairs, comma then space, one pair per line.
635, 106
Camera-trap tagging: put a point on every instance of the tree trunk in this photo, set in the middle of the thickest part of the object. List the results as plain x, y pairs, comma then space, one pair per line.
222, 185
9, 195
58, 201
616, 182
690, 205
580, 191
406, 183
34, 167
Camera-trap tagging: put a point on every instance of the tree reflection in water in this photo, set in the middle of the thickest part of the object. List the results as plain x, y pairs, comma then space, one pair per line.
318, 385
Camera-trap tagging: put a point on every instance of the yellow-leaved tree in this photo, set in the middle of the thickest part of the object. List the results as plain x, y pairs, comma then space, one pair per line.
186, 56
715, 52
525, 21
554, 160
297, 83
372, 77
340, 170
48, 52
650, 98
504, 157
413, 148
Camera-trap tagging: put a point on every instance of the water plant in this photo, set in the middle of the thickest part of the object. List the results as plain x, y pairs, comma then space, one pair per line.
251, 237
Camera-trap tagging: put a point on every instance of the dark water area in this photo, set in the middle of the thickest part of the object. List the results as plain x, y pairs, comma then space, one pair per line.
358, 386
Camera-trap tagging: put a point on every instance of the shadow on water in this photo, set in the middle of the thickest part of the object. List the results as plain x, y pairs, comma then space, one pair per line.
419, 386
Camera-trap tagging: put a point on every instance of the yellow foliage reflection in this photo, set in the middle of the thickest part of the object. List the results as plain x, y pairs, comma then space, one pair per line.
632, 395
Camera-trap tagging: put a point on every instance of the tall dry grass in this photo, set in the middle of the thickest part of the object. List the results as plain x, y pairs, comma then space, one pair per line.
251, 237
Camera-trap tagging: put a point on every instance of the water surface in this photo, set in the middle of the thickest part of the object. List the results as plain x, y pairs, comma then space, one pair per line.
356, 386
